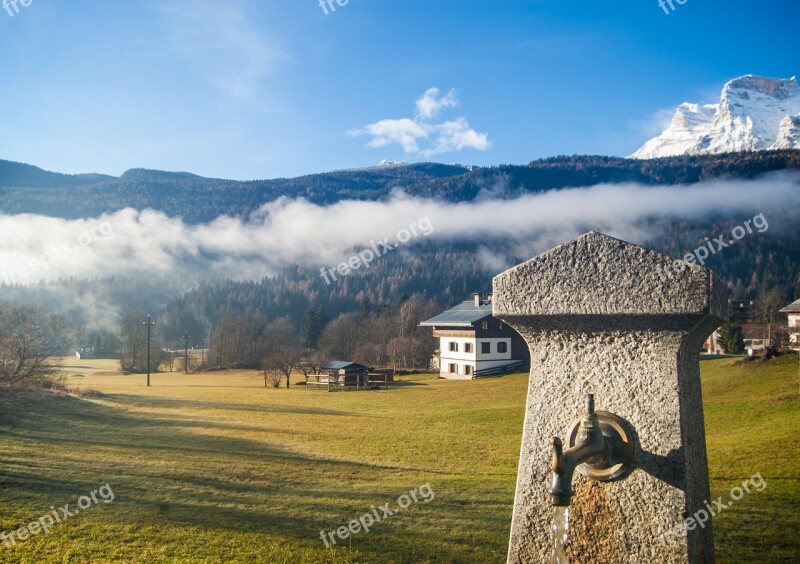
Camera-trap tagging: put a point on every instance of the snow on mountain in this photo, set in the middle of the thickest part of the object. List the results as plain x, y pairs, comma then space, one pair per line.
789, 133
754, 114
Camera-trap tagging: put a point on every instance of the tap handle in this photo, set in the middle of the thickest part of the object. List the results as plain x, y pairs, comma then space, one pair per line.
557, 461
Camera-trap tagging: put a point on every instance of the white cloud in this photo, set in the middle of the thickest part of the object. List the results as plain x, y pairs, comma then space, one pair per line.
445, 137
405, 132
430, 104
288, 231
455, 136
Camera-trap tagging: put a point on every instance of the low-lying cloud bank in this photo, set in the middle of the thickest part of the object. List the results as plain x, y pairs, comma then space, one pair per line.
35, 248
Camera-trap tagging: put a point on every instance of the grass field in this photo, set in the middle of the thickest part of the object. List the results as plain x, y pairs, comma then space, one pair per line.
215, 467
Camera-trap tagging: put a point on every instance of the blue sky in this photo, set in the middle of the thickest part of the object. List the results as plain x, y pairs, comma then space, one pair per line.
262, 89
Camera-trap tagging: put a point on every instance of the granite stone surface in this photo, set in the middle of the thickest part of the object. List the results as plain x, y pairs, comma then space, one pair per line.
599, 318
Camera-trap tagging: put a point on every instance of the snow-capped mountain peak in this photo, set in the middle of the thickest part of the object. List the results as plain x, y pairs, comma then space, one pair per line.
754, 114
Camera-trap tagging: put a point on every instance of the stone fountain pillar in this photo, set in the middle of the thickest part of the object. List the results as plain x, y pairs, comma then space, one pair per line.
601, 316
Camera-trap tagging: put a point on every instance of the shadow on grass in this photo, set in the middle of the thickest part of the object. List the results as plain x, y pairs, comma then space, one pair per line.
149, 401
65, 447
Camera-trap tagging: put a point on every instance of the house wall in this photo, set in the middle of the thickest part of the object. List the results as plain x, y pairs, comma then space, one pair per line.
494, 328
495, 331
494, 355
460, 356
476, 359
794, 336
461, 359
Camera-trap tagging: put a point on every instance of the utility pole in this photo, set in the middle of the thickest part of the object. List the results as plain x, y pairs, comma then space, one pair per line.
186, 353
149, 325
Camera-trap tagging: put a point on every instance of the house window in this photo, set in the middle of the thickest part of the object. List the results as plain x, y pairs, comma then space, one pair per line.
486, 348
467, 370
502, 347
485, 325
468, 347
453, 346
453, 368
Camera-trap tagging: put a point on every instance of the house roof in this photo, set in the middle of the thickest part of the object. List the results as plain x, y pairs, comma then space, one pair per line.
463, 315
339, 365
751, 331
793, 307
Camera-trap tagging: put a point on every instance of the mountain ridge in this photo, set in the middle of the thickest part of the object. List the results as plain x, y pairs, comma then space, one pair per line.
197, 199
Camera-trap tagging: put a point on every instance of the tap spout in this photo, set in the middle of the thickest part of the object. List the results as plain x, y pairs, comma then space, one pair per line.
591, 447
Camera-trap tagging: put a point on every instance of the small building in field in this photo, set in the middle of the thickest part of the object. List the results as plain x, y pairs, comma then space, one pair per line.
84, 353
338, 374
347, 373
792, 312
474, 344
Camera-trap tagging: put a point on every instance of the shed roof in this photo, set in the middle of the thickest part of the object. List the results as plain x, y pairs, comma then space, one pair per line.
340, 364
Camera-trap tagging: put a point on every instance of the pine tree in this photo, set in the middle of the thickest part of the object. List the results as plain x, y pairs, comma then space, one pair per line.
730, 337
314, 321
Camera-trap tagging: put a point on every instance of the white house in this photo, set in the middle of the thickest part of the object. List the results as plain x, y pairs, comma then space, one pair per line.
792, 311
473, 343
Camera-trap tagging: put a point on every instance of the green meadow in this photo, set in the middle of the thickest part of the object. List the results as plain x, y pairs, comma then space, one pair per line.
216, 467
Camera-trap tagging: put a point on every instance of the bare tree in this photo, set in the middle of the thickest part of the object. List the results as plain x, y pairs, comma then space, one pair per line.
314, 361
340, 336
766, 308
133, 335
370, 354
283, 348
271, 374
170, 359
30, 339
238, 341
307, 365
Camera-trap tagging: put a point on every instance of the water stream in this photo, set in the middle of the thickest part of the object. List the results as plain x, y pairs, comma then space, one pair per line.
559, 530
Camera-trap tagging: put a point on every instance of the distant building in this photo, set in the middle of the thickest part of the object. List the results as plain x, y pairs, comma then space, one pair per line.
473, 343
85, 353
792, 311
741, 311
754, 337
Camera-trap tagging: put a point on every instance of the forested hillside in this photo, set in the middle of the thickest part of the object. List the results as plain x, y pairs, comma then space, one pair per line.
25, 189
443, 274
436, 272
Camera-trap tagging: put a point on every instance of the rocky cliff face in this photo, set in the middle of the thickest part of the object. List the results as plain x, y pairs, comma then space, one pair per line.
754, 114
